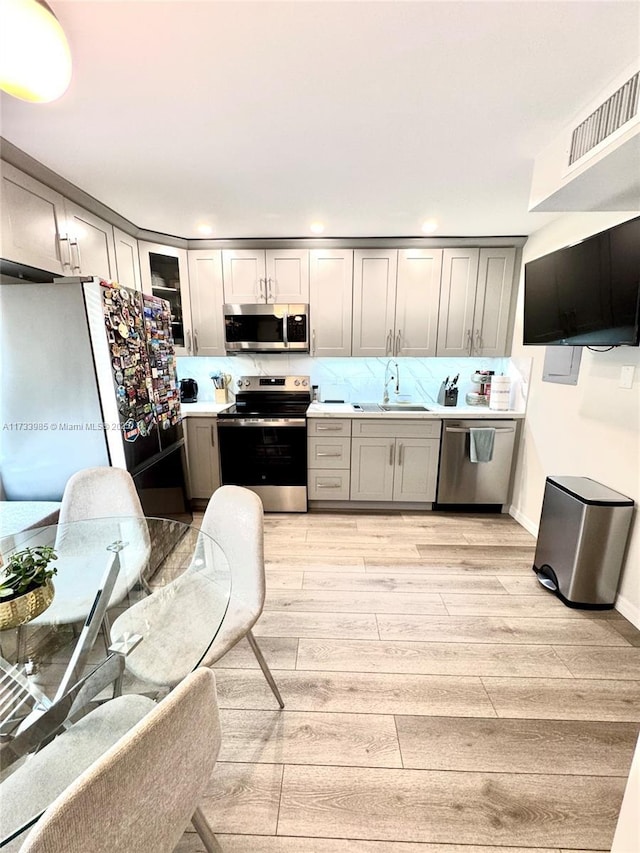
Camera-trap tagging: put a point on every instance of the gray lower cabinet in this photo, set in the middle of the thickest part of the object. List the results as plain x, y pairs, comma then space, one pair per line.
394, 460
329, 459
202, 456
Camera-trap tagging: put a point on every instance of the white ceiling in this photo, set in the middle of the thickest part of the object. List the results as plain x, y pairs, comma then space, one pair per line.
261, 117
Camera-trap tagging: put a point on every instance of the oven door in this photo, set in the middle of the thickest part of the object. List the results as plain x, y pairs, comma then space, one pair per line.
268, 456
255, 328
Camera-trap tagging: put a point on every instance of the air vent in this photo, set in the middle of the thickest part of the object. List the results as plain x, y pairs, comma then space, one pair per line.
612, 114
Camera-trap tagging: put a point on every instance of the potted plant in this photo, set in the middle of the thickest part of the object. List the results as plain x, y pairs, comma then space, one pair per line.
26, 588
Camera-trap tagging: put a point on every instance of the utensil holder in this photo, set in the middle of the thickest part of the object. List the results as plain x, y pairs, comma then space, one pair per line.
447, 397
220, 395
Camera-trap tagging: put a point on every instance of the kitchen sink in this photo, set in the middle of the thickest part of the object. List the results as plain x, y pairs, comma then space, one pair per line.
389, 407
402, 407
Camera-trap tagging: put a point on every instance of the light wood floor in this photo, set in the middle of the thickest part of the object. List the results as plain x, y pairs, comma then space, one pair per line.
438, 700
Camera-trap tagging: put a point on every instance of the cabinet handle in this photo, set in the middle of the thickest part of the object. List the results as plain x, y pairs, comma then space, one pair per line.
75, 243
213, 435
398, 337
327, 486
270, 286
64, 240
400, 455
313, 342
332, 455
328, 429
469, 341
389, 343
478, 341
188, 336
195, 342
392, 453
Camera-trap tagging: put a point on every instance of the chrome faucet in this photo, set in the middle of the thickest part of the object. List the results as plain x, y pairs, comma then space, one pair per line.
389, 376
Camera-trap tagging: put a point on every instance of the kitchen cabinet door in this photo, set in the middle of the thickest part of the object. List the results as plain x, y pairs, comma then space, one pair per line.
287, 275
244, 274
374, 302
91, 243
331, 301
416, 469
457, 302
206, 291
202, 456
372, 467
417, 302
127, 260
493, 302
33, 223
165, 273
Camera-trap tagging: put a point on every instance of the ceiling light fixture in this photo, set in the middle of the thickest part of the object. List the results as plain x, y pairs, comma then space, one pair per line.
35, 60
205, 230
316, 228
429, 226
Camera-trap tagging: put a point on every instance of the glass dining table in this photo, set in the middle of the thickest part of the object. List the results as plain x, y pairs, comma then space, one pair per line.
137, 603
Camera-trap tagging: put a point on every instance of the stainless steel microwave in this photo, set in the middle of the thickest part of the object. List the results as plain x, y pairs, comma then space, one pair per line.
266, 328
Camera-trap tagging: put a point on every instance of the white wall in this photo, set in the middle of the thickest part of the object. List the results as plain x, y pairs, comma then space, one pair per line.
588, 430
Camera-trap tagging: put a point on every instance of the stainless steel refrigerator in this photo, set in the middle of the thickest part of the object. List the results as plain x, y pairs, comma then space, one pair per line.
88, 378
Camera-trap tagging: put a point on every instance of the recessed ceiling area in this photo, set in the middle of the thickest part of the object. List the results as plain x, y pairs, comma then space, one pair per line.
372, 118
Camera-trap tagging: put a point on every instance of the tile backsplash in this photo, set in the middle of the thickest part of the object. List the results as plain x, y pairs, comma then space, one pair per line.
360, 380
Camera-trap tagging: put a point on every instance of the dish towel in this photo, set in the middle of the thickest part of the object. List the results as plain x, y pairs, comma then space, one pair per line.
481, 442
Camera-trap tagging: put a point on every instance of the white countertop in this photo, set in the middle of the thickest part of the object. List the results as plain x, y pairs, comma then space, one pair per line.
202, 410
346, 410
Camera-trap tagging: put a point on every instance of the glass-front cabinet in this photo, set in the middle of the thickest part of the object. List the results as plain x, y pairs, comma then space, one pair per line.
165, 273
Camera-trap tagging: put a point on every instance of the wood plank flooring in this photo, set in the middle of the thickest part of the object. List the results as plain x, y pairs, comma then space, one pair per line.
438, 700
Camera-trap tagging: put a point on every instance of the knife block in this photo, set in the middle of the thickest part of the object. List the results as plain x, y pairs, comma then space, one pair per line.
447, 397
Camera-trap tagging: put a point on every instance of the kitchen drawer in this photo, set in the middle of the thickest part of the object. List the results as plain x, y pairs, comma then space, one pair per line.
329, 485
406, 428
329, 452
329, 426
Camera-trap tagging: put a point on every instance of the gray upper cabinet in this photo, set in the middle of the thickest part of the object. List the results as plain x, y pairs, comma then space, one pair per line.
475, 299
91, 243
417, 301
33, 223
127, 260
331, 301
265, 275
374, 301
165, 274
205, 285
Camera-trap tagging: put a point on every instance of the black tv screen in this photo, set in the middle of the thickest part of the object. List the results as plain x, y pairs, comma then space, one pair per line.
587, 294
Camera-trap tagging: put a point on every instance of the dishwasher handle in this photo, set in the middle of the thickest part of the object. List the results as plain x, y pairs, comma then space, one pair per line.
468, 429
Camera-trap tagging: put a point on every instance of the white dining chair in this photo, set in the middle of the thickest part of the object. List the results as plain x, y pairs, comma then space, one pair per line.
108, 495
233, 523
138, 795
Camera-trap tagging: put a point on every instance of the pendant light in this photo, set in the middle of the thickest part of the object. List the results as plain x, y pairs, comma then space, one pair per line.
35, 61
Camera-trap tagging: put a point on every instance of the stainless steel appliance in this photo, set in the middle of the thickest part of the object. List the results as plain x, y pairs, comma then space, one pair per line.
461, 481
89, 379
582, 538
262, 440
266, 328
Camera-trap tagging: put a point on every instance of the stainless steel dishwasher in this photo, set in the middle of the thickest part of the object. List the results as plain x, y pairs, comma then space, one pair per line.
461, 481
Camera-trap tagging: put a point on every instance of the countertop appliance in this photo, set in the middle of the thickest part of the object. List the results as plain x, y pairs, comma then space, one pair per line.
262, 440
461, 481
188, 391
89, 379
266, 328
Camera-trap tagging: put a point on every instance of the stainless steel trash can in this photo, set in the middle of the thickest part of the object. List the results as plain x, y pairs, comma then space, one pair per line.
583, 533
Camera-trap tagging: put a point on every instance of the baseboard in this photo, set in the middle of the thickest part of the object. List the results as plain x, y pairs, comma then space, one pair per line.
629, 610
521, 518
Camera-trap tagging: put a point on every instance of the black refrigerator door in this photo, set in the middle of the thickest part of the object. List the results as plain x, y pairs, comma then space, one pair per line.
162, 365
131, 372
161, 485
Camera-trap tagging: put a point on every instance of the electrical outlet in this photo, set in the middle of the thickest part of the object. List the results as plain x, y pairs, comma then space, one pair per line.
626, 376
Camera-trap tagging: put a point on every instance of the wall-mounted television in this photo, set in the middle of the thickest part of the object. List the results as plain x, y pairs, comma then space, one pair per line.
586, 294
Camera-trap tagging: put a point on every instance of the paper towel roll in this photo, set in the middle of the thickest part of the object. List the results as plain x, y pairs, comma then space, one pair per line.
500, 395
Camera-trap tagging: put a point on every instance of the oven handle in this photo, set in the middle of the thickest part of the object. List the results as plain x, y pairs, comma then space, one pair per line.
261, 422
